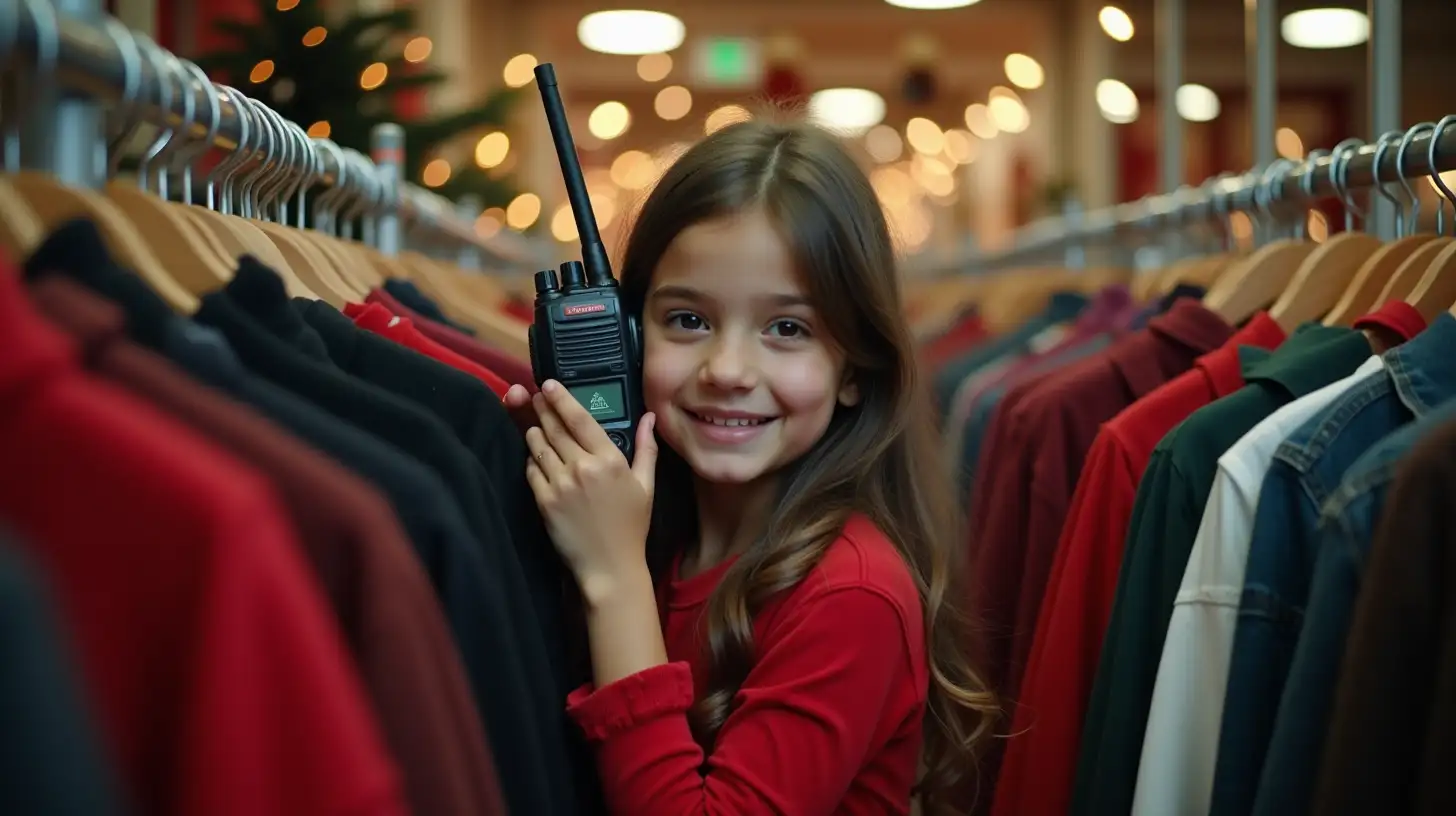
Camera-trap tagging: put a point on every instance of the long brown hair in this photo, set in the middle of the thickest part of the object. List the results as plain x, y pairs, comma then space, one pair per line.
878, 457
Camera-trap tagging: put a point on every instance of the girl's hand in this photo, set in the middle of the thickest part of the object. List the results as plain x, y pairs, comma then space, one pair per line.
518, 404
597, 508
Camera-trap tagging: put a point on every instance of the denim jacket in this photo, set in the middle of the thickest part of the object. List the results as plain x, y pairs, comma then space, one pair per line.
1308, 469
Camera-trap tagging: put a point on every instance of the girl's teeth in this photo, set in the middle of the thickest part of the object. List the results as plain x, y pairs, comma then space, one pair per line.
733, 423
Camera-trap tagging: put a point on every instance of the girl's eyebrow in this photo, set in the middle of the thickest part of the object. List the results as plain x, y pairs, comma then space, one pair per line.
690, 294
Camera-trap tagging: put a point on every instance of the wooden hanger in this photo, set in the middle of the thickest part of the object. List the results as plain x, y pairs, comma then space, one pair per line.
313, 269
1436, 290
1200, 272
494, 327
1375, 274
1403, 281
1322, 278
54, 203
1256, 281
190, 260
21, 230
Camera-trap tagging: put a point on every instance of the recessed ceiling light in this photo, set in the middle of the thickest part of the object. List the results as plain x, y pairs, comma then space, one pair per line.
1325, 28
1116, 23
1197, 103
1117, 102
630, 31
932, 5
849, 110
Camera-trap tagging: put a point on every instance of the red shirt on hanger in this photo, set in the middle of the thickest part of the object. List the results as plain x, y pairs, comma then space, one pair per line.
513, 371
216, 673
1040, 763
378, 319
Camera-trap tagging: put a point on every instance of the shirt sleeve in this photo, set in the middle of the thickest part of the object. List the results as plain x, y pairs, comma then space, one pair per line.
1180, 744
804, 721
1041, 761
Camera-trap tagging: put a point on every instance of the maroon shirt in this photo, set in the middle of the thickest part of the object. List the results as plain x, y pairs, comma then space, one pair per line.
1049, 431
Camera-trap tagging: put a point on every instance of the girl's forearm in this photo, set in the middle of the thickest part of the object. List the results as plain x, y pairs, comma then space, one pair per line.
623, 625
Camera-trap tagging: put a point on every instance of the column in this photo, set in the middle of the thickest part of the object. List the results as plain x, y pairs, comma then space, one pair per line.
1094, 152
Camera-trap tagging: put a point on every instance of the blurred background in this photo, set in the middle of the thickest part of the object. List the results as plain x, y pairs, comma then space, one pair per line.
979, 117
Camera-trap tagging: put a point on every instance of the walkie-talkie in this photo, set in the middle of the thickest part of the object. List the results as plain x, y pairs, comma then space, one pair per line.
581, 336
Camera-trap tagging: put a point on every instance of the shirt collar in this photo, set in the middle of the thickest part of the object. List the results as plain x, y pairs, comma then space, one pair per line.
1222, 366
1424, 369
1188, 325
1302, 363
259, 292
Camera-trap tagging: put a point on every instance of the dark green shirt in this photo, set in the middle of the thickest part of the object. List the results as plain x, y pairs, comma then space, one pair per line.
1165, 520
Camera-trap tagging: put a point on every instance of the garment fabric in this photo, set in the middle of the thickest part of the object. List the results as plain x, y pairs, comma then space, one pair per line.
1012, 386
410, 295
1181, 742
373, 583
1061, 307
535, 576
219, 678
1307, 469
402, 330
1165, 517
964, 334
1347, 530
506, 693
1390, 747
51, 758
1105, 312
514, 371
1032, 485
1040, 762
827, 720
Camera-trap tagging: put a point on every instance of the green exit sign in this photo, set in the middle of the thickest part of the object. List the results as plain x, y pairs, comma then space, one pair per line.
727, 62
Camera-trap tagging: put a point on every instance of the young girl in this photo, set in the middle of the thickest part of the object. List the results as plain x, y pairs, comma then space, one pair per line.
768, 596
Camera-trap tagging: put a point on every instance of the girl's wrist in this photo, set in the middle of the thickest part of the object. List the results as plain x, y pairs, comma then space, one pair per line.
603, 588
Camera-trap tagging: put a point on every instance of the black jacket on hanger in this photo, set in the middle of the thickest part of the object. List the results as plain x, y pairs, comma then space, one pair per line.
394, 440
420, 391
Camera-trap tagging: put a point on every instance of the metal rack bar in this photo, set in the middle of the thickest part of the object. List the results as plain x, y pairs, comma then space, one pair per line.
1215, 199
87, 62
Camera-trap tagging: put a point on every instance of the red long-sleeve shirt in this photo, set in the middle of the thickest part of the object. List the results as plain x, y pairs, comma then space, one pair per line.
828, 720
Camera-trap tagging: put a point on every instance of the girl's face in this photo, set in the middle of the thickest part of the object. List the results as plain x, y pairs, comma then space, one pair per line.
737, 366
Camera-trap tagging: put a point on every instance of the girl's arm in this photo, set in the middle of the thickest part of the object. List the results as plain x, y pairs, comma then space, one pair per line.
835, 682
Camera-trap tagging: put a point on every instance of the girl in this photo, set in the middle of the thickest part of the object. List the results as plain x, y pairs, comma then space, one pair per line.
799, 654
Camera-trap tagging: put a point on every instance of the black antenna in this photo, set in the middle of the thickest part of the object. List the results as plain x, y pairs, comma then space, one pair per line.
593, 253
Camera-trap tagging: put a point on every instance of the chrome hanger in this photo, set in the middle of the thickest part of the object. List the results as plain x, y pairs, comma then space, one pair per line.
1339, 177
222, 176
1381, 144
1444, 192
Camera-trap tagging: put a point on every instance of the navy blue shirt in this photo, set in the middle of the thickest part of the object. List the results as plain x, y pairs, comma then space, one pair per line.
1306, 470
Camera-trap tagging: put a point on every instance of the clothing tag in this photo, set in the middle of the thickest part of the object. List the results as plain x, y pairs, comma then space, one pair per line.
1047, 339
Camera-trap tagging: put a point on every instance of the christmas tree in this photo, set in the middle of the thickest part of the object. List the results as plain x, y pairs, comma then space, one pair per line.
341, 77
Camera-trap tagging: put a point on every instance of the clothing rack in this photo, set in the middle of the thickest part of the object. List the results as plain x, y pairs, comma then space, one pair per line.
1422, 150
85, 58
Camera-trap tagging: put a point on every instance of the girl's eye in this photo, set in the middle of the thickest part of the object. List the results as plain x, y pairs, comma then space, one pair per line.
685, 320
788, 329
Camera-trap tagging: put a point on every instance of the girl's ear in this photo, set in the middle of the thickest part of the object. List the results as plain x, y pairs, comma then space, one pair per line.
848, 391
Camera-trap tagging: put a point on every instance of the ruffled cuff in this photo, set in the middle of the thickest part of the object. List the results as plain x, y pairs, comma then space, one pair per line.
602, 713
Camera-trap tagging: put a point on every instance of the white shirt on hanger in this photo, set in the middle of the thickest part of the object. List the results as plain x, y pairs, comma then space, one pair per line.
1180, 745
